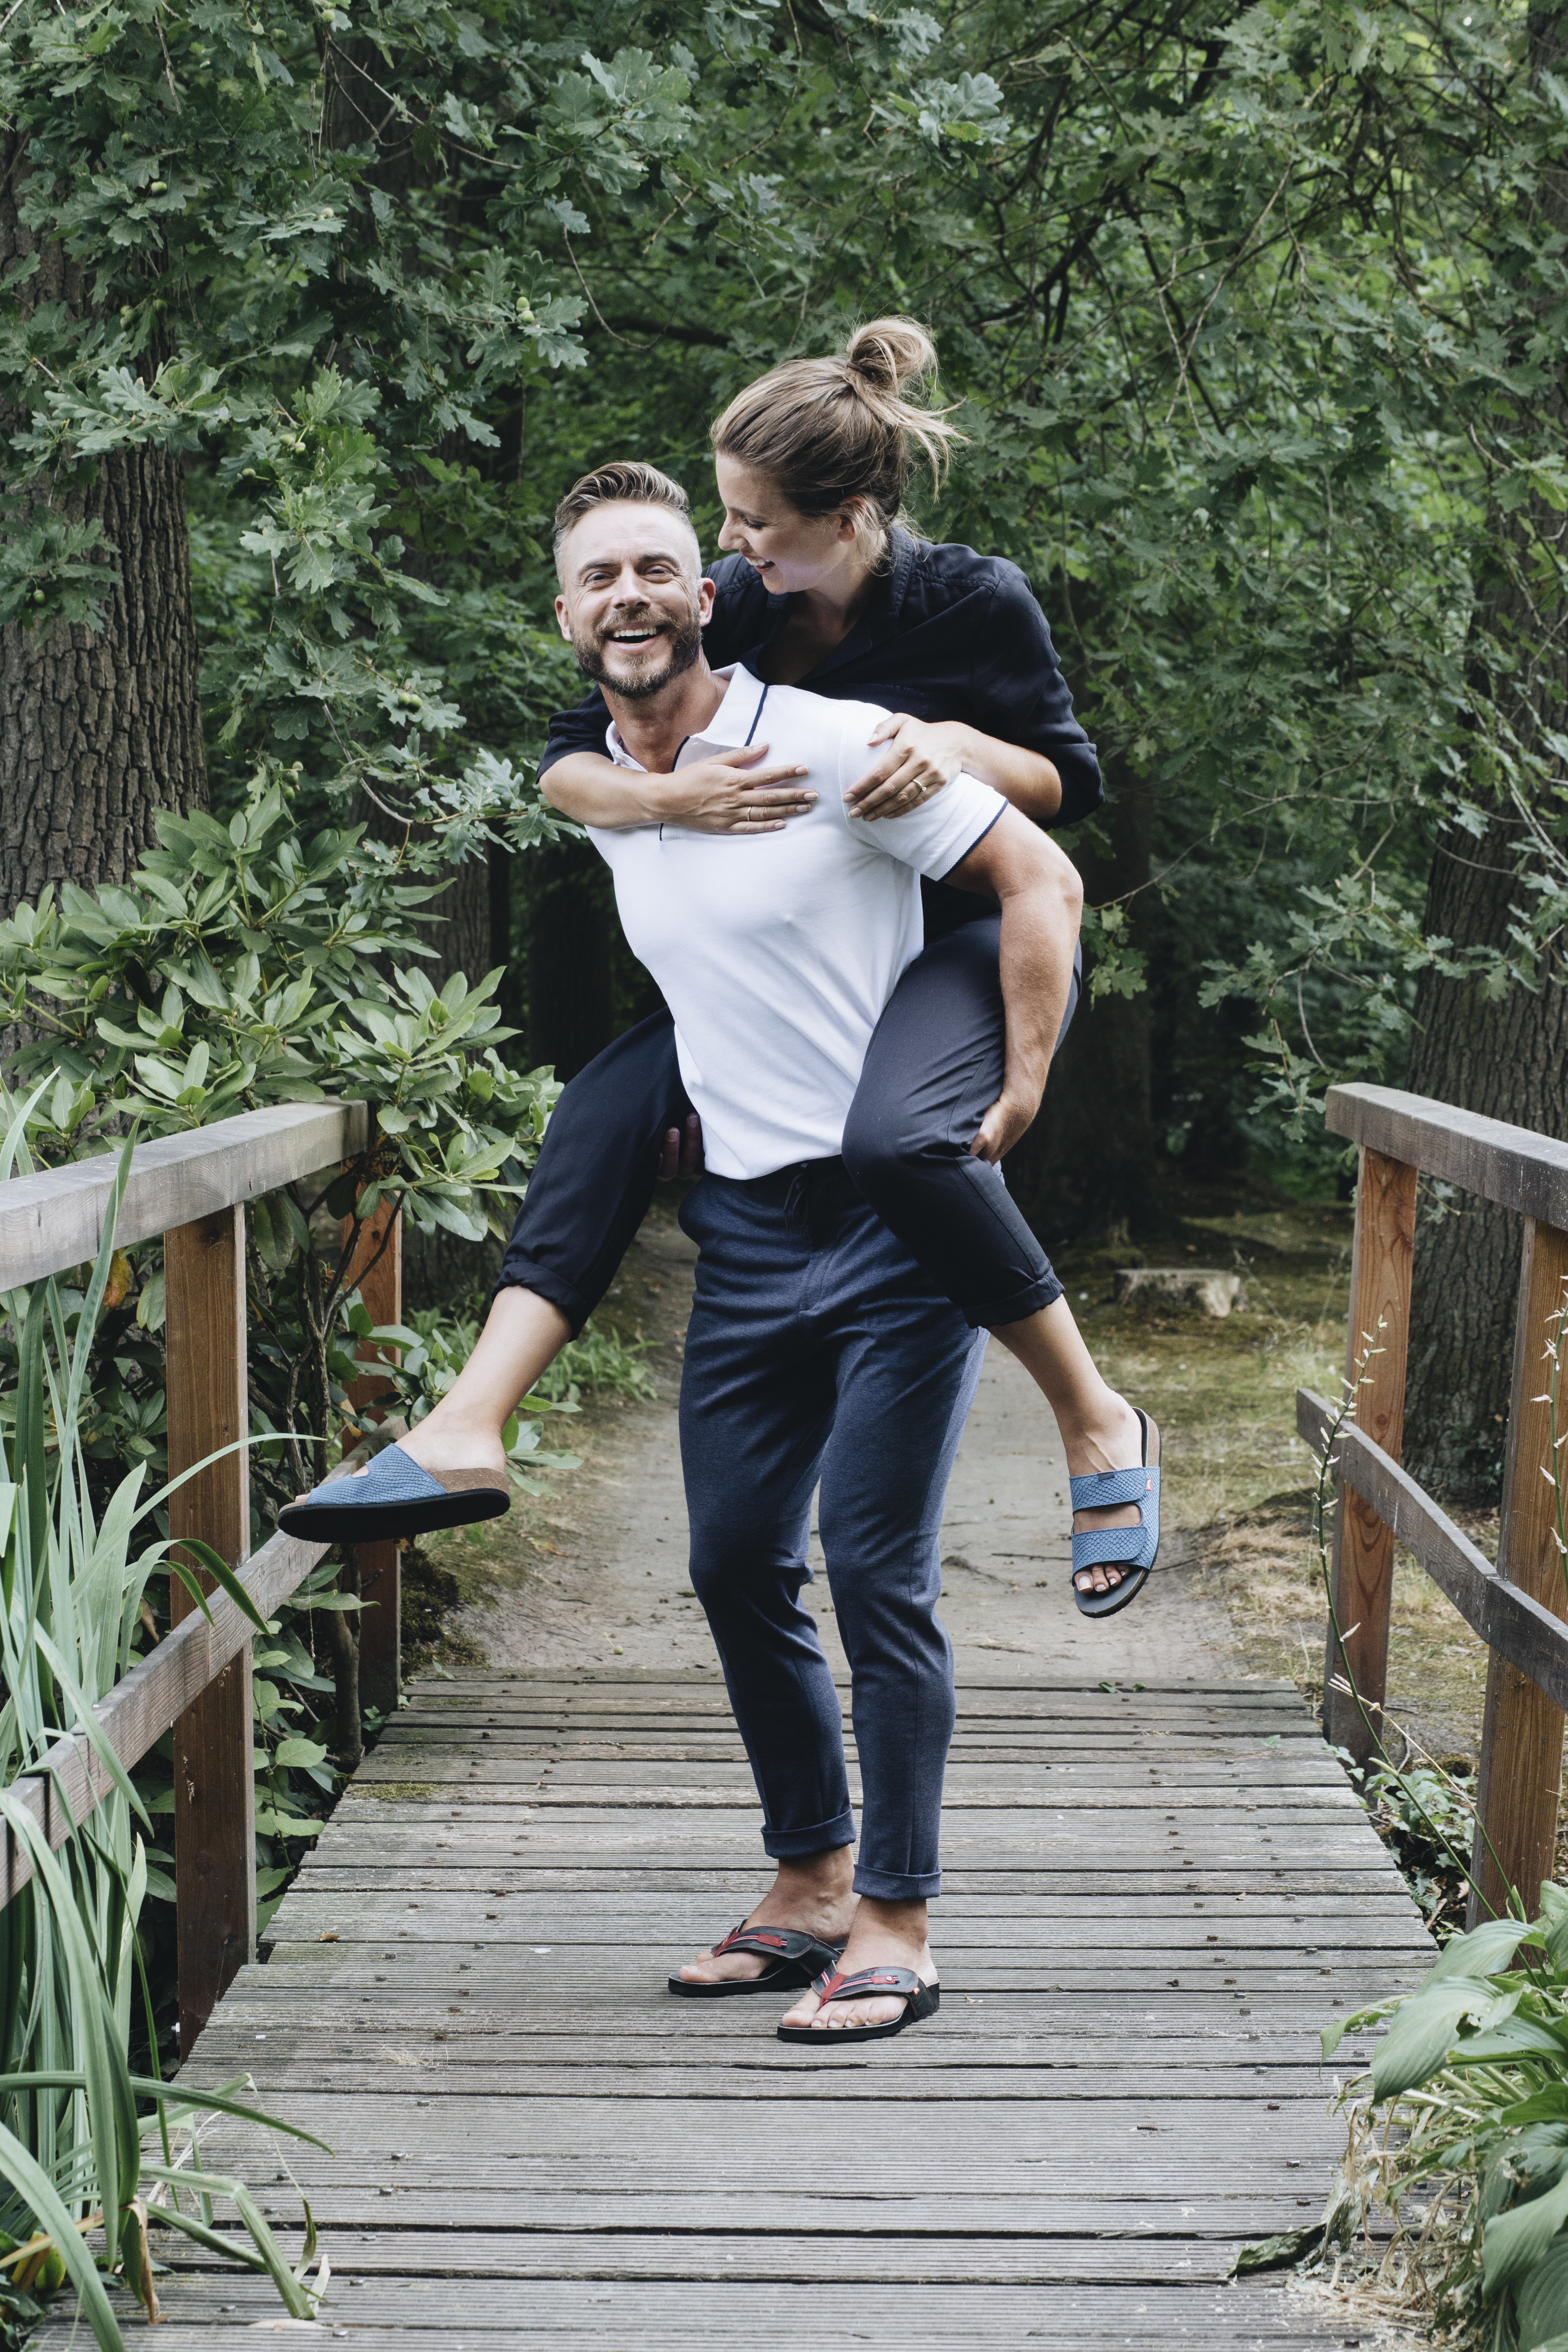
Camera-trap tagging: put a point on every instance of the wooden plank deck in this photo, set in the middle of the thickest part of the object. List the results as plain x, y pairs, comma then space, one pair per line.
1154, 1899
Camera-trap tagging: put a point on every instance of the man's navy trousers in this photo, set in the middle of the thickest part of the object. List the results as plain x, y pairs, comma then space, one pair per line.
818, 1350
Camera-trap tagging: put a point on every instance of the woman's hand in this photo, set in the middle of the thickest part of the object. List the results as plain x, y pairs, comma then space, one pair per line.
1009, 1116
920, 757
729, 793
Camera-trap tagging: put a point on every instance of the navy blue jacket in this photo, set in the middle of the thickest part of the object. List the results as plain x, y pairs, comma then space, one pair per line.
947, 634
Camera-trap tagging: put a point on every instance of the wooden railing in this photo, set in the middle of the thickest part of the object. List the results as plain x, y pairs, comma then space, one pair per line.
1517, 1608
192, 1188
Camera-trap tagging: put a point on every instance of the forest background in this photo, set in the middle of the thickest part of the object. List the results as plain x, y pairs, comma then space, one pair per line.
1254, 322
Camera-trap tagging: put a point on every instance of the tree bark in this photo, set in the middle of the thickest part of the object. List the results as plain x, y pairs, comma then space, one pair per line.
441, 1268
1087, 1164
1507, 1059
98, 730
571, 949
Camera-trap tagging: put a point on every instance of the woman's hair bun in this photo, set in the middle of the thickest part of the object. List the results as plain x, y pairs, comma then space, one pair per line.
837, 435
887, 354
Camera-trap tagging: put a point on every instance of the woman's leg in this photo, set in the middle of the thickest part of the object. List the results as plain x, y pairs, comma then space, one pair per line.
588, 1195
933, 1069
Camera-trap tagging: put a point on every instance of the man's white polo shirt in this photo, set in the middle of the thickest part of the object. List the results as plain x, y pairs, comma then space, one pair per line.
777, 951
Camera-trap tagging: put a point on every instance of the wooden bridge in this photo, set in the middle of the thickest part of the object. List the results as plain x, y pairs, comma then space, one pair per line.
1155, 1899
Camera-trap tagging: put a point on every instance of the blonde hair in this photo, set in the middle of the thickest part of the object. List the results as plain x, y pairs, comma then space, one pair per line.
624, 483
839, 433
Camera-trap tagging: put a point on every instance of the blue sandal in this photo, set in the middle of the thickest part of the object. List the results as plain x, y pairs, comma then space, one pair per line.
1131, 1550
396, 1497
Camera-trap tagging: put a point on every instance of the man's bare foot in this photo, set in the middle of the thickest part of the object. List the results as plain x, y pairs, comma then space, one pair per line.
815, 1893
1115, 1443
884, 1936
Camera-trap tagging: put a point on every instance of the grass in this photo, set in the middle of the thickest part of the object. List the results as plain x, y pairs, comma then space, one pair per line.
1238, 1477
1223, 1389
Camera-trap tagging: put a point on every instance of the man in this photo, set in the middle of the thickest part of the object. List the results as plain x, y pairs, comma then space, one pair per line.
817, 1349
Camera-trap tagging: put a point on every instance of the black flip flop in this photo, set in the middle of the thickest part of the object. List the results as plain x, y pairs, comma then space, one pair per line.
798, 1958
920, 2000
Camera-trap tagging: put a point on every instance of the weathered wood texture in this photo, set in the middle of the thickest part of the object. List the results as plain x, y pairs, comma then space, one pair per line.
1511, 1622
376, 1268
1510, 1165
1521, 1729
464, 1995
1377, 1341
50, 1221
215, 1787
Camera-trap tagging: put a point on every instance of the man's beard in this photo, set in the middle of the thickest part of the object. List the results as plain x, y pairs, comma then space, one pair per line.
685, 643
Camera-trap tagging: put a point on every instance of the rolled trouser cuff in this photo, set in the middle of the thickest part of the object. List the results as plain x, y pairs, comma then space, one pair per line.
992, 1314
791, 1845
896, 1886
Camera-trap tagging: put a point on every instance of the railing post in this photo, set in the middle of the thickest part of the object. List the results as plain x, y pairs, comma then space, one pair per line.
380, 1577
214, 1791
1522, 1730
1381, 1264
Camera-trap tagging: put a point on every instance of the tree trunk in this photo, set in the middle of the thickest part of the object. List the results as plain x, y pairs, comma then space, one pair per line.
1088, 1163
1507, 1059
571, 947
441, 1268
98, 730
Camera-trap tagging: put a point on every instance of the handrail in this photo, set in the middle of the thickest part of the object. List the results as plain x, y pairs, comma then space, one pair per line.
54, 1220
1517, 1608
1507, 1620
192, 1188
69, 1779
1510, 1165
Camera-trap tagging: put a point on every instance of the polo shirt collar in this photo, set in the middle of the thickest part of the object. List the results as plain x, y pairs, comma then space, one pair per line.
733, 723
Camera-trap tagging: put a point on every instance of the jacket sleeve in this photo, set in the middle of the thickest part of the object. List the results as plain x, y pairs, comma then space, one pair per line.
580, 729
1021, 697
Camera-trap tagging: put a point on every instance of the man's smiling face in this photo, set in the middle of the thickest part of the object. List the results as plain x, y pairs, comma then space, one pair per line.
633, 602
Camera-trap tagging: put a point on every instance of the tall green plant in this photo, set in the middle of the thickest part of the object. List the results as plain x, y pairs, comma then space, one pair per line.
79, 2149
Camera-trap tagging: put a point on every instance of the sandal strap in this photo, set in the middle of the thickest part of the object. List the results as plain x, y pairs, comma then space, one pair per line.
831, 1986
1101, 1490
774, 1943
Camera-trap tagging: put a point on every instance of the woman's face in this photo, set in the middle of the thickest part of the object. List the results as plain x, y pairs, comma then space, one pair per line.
788, 550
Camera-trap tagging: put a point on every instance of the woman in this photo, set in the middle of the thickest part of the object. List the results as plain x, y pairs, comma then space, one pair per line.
824, 588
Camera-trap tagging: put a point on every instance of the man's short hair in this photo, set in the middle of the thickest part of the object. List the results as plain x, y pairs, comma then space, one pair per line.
623, 484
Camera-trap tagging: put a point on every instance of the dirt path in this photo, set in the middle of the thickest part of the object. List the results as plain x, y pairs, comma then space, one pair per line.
598, 1573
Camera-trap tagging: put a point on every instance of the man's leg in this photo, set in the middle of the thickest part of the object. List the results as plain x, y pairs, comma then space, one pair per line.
908, 1369
756, 1408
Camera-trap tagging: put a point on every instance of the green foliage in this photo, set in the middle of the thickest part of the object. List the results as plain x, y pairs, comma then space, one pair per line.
601, 1361
1256, 331
1467, 2105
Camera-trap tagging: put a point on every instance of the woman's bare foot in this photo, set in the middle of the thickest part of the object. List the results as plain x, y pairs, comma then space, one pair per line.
1114, 1441
815, 1893
522, 1334
454, 1441
884, 1936
1099, 1429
